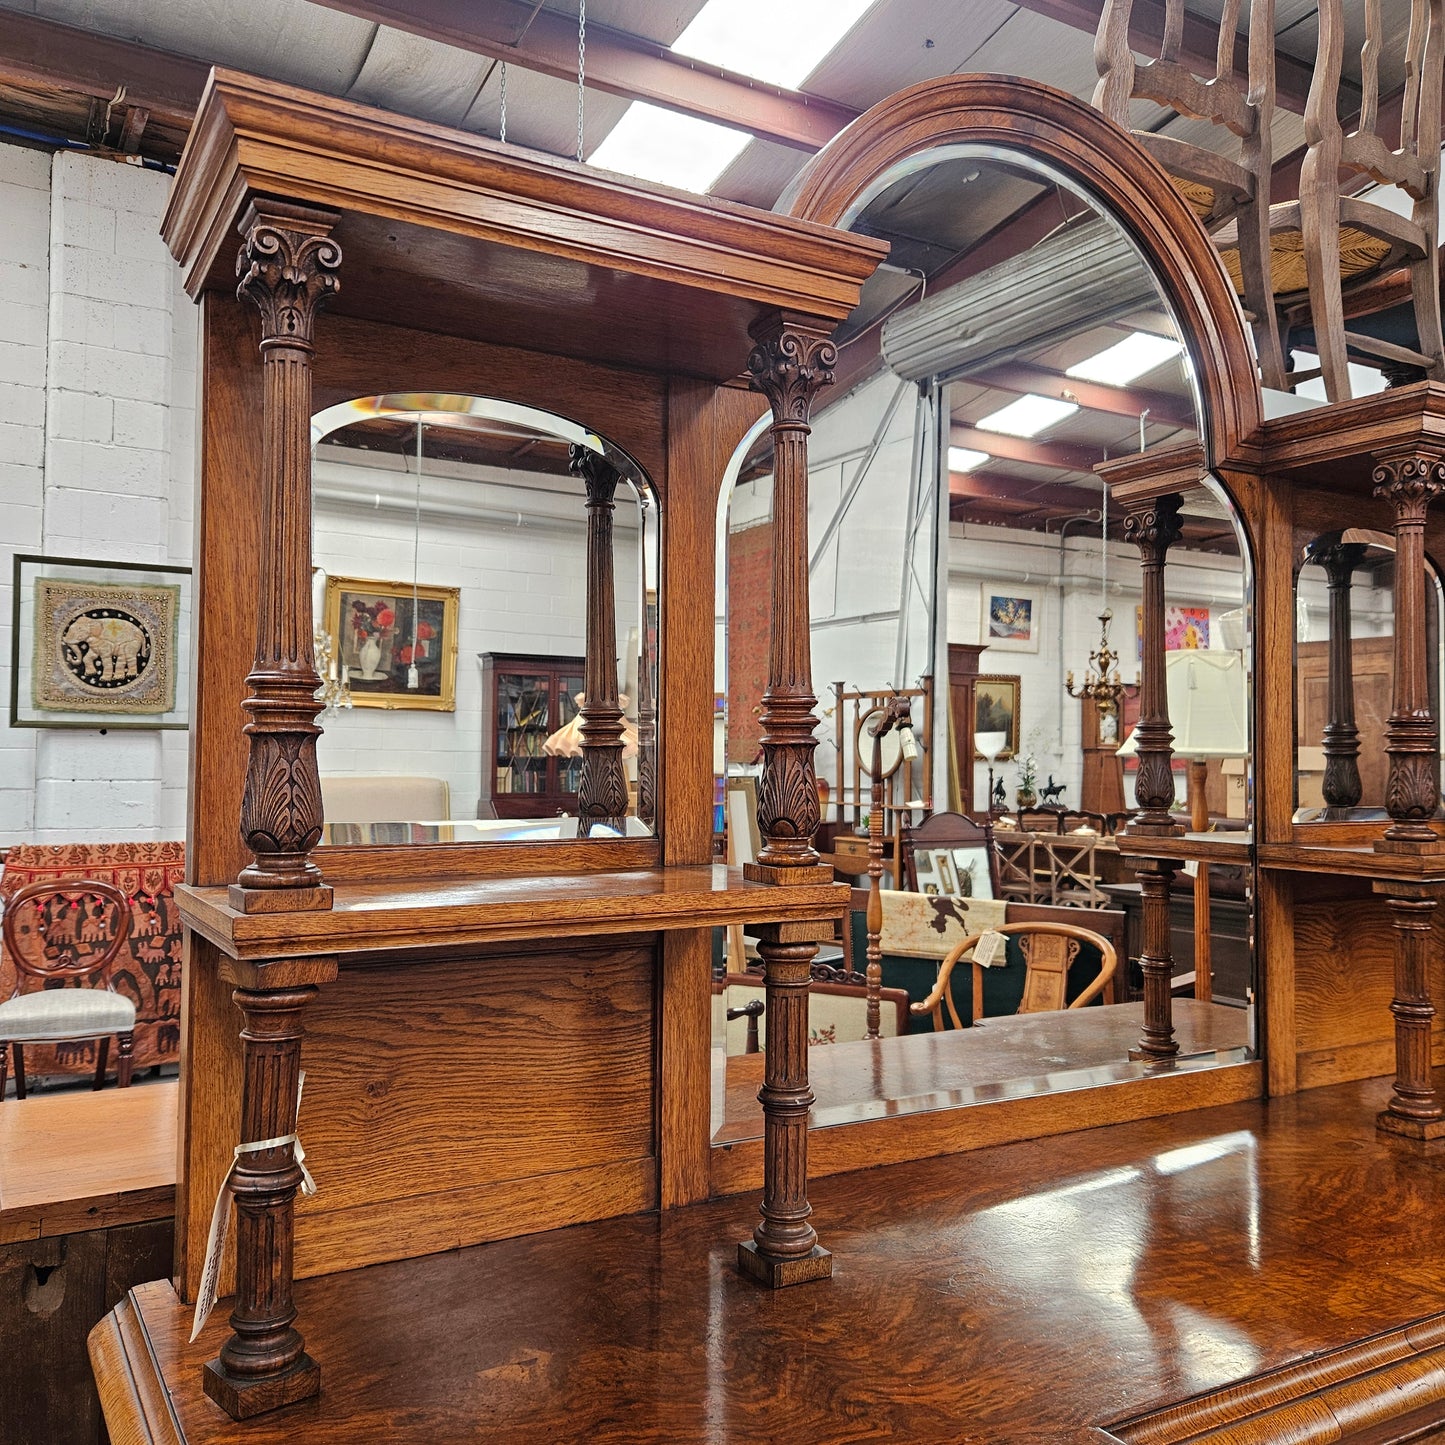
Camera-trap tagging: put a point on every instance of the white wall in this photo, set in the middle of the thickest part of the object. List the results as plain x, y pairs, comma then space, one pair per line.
523, 589
1049, 720
97, 423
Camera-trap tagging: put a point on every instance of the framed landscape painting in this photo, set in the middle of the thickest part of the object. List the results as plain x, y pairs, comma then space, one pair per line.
996, 710
395, 643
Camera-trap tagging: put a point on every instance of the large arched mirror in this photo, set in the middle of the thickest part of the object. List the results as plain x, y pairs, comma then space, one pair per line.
460, 546
963, 549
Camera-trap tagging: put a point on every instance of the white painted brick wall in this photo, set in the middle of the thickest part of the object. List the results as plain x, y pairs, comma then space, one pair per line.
97, 423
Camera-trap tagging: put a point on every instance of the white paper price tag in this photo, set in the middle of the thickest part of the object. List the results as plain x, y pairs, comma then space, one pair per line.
221, 1214
991, 950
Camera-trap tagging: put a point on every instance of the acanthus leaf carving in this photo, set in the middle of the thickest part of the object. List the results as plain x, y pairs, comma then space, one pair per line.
790, 367
288, 274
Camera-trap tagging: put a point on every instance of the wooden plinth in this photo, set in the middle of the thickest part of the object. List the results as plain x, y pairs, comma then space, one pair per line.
243, 1399
780, 1273
278, 900
766, 873
1405, 1127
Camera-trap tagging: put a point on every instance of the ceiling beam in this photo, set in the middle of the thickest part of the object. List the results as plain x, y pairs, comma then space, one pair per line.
165, 87
545, 41
989, 486
1020, 378
1056, 456
1197, 51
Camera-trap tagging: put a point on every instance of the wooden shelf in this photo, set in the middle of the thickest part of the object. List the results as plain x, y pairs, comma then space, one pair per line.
1191, 847
368, 917
1357, 861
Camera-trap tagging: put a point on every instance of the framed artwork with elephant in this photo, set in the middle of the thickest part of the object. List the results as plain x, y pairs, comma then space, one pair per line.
98, 643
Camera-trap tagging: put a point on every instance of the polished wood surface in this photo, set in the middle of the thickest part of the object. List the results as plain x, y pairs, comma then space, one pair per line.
375, 916
1014, 1056
1132, 1268
77, 1161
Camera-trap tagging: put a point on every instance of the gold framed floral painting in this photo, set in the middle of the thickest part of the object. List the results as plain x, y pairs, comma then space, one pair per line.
395, 642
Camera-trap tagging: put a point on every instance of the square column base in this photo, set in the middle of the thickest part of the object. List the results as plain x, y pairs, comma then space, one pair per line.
780, 1273
1403, 1127
1139, 1056
279, 900
242, 1398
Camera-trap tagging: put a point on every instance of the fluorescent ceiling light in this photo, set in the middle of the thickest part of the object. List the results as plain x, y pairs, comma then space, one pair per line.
779, 41
676, 150
1028, 416
1127, 360
963, 459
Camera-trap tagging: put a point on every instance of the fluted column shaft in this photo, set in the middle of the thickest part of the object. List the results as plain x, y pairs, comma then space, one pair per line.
287, 267
1415, 1108
602, 789
1410, 482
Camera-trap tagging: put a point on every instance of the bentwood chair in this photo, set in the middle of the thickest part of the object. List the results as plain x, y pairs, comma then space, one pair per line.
1048, 949
64, 932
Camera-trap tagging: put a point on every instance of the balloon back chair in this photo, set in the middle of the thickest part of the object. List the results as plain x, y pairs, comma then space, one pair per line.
60, 934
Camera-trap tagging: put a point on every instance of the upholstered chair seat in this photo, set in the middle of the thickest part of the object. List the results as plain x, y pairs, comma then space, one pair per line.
65, 1013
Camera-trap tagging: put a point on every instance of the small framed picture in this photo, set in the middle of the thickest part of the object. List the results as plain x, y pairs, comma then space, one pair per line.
926, 873
396, 641
1011, 618
944, 870
970, 865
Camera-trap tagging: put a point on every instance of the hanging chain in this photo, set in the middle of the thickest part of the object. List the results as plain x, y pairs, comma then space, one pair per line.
504, 102
1104, 550
581, 68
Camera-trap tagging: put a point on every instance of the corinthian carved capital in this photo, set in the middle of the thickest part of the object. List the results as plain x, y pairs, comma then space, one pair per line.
287, 267
1410, 481
790, 364
1154, 527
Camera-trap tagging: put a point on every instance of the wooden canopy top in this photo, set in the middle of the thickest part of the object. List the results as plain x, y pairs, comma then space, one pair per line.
452, 232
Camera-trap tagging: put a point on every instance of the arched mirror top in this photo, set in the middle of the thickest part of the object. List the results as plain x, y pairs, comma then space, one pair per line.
1047, 130
485, 596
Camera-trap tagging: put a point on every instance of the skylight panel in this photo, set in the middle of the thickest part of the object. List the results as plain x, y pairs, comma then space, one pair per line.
778, 41
965, 459
675, 150
1127, 360
1028, 416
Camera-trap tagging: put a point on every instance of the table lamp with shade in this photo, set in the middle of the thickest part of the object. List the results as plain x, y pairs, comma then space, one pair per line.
992, 746
1209, 716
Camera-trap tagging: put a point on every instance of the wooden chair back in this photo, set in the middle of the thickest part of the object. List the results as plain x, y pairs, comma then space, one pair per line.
1195, 73
68, 929
1332, 225
1076, 818
1048, 949
1040, 820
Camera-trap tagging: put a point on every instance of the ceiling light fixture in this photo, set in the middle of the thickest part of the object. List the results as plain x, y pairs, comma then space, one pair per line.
675, 150
1028, 416
1136, 355
965, 459
778, 41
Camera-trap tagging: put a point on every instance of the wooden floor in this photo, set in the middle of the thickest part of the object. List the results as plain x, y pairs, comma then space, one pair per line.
1018, 1295
1017, 1057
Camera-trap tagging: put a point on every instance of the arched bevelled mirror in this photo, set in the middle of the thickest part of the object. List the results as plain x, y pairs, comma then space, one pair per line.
962, 545
474, 562
1345, 671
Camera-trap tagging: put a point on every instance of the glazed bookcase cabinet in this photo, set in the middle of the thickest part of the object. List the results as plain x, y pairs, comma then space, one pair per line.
525, 698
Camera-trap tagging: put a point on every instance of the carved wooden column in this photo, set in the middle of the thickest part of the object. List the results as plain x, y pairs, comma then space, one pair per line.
1409, 481
791, 362
602, 790
1415, 1109
647, 727
287, 267
1341, 738
1153, 526
263, 1365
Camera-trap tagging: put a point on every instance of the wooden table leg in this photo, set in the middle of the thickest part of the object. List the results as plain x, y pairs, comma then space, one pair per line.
264, 1365
1415, 1109
784, 1248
